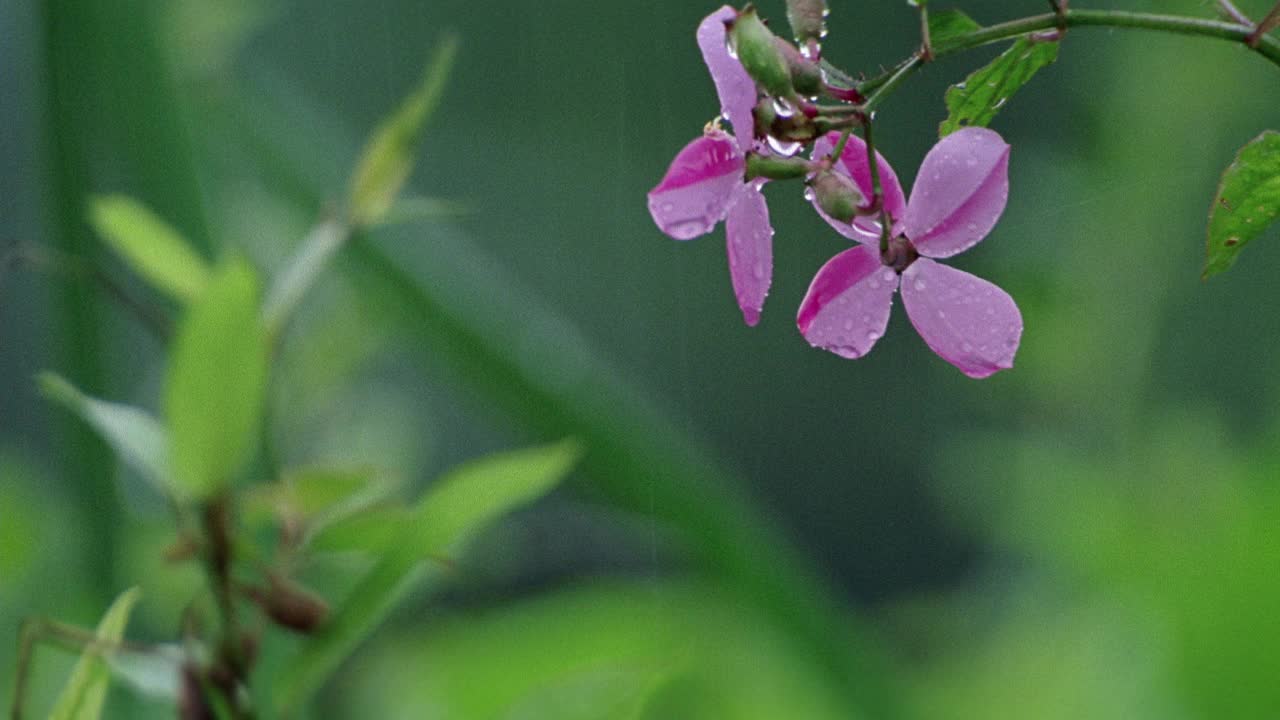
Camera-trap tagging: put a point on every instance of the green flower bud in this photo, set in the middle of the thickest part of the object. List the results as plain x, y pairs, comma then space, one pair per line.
808, 19
837, 195
806, 76
756, 49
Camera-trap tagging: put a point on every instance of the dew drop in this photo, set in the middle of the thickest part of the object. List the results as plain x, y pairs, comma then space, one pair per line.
785, 148
888, 276
966, 347
919, 285
809, 194
783, 107
758, 270
730, 46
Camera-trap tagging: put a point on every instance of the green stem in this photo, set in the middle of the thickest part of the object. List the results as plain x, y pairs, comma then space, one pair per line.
1267, 47
877, 190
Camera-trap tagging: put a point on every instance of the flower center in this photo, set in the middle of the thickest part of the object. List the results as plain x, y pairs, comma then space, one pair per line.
899, 254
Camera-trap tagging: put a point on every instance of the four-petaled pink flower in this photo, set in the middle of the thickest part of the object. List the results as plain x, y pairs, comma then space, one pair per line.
706, 182
959, 195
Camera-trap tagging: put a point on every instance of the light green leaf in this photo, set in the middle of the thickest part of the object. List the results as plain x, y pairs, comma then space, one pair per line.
302, 272
139, 439
389, 156
83, 696
156, 673
316, 497
1247, 203
372, 531
460, 504
216, 383
608, 651
976, 101
946, 25
152, 247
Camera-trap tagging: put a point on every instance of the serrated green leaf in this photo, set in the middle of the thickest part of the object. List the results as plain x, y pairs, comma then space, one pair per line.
151, 246
946, 25
388, 157
216, 383
1247, 203
460, 504
85, 693
974, 102
139, 439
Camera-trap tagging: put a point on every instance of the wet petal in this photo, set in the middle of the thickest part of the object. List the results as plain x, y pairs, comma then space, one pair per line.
698, 187
966, 320
735, 87
853, 162
847, 307
959, 193
750, 243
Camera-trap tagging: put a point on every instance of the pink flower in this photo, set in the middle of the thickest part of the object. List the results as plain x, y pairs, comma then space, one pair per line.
706, 182
959, 195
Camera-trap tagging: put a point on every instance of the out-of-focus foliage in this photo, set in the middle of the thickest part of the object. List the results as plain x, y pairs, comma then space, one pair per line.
758, 530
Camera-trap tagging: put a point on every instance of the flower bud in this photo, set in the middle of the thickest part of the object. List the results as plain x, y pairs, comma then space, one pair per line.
290, 605
806, 76
755, 48
808, 19
837, 195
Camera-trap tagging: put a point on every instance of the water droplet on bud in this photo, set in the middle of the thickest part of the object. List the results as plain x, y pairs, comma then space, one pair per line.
784, 148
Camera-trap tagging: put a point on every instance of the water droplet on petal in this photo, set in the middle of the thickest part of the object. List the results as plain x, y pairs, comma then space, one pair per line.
783, 107
966, 347
919, 285
730, 46
809, 194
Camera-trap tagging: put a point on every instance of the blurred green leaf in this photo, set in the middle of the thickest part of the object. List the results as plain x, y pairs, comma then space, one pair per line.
461, 503
301, 273
151, 246
217, 378
1247, 203
416, 209
974, 102
946, 25
316, 497
388, 158
156, 673
371, 531
85, 693
139, 439
661, 651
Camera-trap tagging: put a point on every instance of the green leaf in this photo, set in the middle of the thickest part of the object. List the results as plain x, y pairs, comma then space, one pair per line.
659, 650
151, 246
139, 439
389, 155
83, 696
461, 503
946, 25
1247, 203
217, 378
976, 101
316, 497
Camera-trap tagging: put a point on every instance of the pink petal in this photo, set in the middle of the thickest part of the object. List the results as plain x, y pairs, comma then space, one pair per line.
959, 193
735, 87
698, 187
966, 320
847, 307
750, 243
853, 162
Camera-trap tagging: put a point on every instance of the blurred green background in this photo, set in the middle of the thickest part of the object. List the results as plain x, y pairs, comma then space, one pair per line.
760, 529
